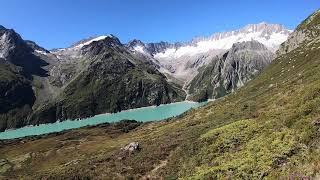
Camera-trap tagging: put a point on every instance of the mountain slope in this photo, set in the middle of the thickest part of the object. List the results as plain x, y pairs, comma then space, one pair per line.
232, 70
265, 130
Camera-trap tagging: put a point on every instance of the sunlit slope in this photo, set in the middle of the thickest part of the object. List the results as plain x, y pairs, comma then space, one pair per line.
278, 134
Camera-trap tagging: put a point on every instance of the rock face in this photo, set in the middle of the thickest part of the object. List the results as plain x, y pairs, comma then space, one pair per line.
96, 75
12, 47
36, 47
230, 71
306, 31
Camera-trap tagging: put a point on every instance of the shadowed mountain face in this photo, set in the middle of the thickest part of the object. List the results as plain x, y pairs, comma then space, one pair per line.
18, 65
16, 97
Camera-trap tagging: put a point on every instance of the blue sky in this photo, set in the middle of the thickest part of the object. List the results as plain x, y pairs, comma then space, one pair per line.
59, 23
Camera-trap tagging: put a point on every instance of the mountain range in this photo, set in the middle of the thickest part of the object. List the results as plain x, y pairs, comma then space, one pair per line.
183, 59
100, 74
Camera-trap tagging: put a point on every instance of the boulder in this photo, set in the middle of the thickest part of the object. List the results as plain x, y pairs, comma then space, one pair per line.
131, 147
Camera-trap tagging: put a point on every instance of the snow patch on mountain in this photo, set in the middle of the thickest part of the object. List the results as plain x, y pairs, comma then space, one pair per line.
140, 49
41, 52
90, 41
74, 51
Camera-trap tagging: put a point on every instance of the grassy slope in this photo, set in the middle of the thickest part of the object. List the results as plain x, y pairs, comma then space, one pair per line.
269, 128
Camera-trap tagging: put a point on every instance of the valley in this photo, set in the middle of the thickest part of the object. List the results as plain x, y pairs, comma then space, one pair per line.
262, 120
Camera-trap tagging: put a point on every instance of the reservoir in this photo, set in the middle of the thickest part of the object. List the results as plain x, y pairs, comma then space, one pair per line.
145, 114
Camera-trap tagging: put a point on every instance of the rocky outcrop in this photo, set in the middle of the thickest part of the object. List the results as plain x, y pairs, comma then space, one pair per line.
308, 30
230, 71
131, 147
36, 47
4, 166
12, 47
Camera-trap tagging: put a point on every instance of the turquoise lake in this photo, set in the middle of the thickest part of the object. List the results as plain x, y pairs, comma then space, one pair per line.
151, 113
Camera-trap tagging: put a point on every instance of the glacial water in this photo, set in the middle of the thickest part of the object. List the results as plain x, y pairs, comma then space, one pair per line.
151, 113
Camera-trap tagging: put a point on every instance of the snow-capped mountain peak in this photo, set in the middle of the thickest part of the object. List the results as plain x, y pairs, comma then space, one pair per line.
179, 57
90, 41
271, 35
74, 50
